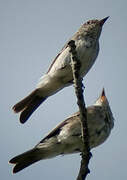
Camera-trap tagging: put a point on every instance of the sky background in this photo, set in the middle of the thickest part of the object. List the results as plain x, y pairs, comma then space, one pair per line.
31, 34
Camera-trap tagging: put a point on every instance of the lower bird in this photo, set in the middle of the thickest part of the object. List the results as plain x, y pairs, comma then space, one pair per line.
59, 74
66, 138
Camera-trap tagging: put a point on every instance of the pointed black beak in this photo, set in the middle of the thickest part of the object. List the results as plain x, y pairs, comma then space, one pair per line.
103, 92
102, 21
103, 96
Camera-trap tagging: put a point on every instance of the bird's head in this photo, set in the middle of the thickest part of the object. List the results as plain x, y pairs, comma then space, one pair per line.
93, 27
102, 101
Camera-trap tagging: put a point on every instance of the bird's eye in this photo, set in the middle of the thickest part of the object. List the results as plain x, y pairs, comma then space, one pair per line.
88, 22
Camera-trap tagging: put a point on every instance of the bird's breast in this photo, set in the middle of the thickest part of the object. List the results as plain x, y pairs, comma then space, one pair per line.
87, 56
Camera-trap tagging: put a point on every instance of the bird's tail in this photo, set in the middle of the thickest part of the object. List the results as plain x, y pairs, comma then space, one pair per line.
28, 105
36, 154
24, 160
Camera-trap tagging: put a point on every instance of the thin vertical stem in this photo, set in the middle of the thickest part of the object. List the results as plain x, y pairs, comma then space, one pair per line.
86, 155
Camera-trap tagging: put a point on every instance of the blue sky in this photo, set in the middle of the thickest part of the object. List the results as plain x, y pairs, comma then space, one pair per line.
31, 35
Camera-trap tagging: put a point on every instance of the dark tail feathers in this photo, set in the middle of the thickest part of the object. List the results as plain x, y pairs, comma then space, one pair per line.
24, 160
28, 105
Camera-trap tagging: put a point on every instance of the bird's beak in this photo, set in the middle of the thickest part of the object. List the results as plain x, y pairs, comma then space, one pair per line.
102, 21
103, 97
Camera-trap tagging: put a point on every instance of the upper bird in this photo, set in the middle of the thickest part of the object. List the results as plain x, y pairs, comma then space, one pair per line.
59, 74
66, 138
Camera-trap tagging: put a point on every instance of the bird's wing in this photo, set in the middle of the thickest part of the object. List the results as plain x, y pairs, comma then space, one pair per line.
65, 46
57, 129
54, 132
